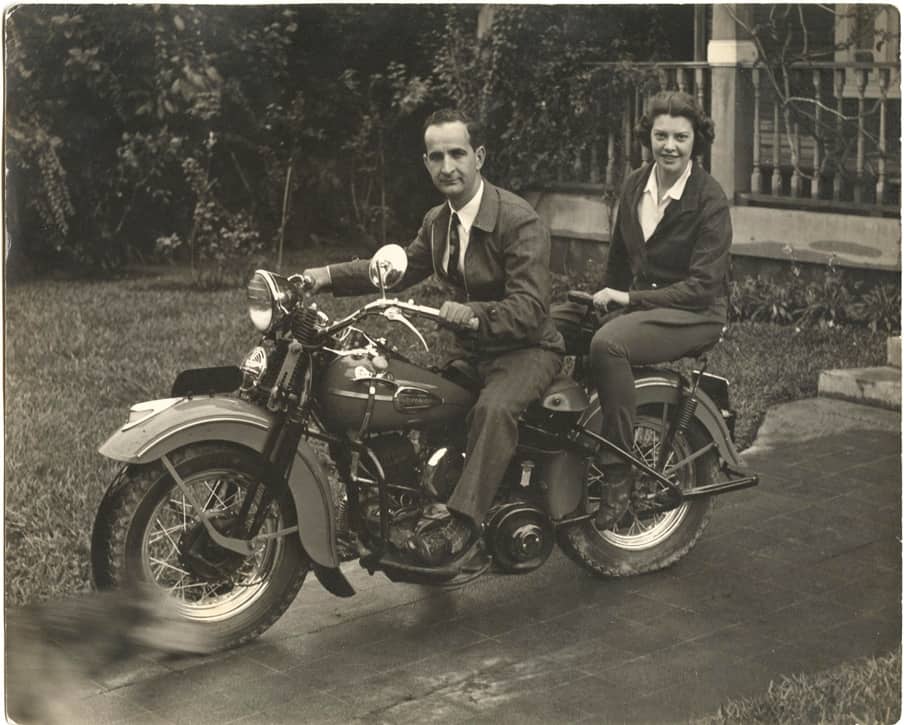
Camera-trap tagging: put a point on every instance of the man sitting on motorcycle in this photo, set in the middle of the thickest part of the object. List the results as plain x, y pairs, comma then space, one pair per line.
493, 251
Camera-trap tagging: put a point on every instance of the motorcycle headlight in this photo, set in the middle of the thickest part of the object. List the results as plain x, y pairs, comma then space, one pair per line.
270, 298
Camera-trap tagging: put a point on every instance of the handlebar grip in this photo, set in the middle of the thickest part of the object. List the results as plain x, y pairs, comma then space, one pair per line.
301, 282
581, 298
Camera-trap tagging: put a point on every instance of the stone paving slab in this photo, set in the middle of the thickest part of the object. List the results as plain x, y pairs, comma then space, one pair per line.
798, 574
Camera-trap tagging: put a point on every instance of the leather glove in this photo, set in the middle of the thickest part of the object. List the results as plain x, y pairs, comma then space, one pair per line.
320, 276
456, 314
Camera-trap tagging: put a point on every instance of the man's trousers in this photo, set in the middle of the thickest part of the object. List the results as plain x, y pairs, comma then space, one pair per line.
511, 382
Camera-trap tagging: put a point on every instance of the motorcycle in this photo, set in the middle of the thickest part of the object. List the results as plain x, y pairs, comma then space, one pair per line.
224, 501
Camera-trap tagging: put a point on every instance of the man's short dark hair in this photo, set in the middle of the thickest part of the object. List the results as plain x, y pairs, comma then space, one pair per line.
451, 115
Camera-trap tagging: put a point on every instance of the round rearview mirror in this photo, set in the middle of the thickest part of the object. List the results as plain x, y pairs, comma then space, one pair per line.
387, 266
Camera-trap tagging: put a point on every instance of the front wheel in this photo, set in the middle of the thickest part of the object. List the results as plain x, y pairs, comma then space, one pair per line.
146, 530
644, 542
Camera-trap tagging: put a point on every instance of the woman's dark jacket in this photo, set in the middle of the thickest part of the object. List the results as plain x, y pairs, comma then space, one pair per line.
506, 282
684, 264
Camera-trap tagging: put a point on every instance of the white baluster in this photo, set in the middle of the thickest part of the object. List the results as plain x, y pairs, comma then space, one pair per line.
610, 160
839, 132
756, 176
862, 79
776, 151
884, 75
817, 161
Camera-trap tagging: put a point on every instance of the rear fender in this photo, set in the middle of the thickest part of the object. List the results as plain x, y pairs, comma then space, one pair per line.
160, 426
654, 386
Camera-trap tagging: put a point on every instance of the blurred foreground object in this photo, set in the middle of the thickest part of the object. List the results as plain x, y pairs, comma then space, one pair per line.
53, 649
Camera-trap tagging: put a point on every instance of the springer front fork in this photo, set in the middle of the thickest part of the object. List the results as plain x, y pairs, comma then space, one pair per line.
244, 533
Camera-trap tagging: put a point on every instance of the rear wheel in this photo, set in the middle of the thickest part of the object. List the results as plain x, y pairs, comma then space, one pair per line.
147, 530
644, 540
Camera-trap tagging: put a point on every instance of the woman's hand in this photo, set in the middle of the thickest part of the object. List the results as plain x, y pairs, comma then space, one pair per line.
608, 296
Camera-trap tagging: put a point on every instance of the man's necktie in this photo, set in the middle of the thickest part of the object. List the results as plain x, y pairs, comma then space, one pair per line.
454, 249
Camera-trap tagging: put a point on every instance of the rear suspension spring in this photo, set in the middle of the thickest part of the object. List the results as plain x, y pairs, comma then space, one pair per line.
686, 412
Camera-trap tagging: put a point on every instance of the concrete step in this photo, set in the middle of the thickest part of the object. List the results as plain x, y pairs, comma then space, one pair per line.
880, 386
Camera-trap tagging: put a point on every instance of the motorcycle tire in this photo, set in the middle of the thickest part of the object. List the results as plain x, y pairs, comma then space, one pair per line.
145, 531
641, 545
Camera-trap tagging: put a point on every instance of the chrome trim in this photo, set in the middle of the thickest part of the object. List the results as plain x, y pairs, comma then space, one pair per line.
151, 411
255, 362
362, 396
432, 399
437, 456
274, 290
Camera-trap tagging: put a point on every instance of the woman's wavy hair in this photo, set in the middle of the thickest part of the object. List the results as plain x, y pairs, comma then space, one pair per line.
678, 103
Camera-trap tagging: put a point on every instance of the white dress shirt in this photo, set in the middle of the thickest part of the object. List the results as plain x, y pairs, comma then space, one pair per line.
466, 215
649, 209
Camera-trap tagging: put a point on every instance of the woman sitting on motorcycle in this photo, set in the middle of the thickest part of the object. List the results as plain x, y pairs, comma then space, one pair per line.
667, 270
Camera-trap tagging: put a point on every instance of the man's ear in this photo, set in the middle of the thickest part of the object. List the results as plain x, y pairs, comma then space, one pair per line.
481, 153
426, 162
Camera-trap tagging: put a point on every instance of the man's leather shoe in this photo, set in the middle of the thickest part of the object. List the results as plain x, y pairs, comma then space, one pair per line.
441, 542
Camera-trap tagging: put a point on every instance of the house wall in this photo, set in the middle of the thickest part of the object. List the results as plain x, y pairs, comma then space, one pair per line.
765, 239
579, 222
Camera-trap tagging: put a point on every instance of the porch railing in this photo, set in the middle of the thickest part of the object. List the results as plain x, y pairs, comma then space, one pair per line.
834, 147
615, 151
833, 144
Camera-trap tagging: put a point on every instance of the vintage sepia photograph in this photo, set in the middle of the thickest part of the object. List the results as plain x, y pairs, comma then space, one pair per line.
451, 363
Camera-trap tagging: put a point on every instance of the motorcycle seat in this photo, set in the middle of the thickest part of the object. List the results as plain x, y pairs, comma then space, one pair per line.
563, 395
704, 349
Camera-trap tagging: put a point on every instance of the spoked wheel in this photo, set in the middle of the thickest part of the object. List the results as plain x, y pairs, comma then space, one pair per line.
148, 530
646, 538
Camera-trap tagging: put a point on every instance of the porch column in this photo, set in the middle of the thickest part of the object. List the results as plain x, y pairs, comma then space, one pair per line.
732, 97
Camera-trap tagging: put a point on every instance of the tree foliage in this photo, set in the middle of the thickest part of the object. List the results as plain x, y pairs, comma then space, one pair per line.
535, 81
208, 132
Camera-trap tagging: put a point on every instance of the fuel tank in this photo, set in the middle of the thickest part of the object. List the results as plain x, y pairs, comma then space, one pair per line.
407, 396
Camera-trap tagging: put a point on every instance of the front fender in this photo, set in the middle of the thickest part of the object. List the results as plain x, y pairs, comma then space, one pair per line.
654, 386
161, 426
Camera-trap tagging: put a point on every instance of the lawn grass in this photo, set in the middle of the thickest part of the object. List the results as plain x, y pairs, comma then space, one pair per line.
79, 353
855, 693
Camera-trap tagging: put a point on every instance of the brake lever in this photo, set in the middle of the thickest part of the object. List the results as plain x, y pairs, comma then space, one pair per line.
394, 314
302, 282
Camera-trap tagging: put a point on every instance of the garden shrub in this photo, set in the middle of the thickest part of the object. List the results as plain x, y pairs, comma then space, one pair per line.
828, 301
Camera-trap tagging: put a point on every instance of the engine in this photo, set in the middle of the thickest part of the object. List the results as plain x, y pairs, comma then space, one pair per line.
518, 535
417, 475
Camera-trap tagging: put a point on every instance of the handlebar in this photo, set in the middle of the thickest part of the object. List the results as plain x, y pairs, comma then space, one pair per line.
431, 313
581, 298
303, 282
383, 306
585, 298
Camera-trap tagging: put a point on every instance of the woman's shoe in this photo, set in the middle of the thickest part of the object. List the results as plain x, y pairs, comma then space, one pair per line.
618, 498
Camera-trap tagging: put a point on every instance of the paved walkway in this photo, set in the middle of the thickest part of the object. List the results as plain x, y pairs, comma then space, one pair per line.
796, 575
